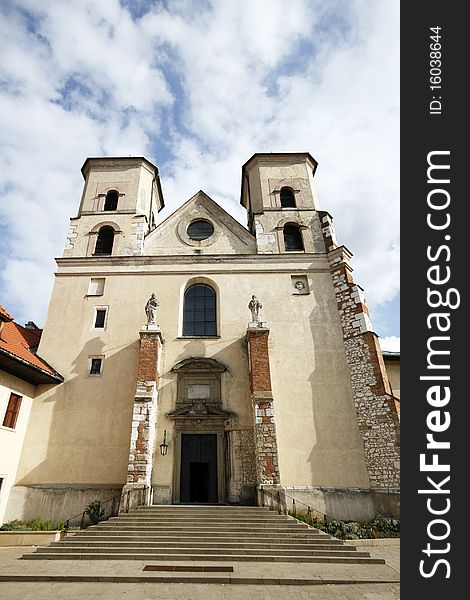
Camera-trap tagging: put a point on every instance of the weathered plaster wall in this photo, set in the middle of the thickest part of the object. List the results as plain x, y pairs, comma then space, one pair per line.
11, 440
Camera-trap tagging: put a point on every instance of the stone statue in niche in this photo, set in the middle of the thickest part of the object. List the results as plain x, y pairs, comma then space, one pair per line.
255, 306
151, 310
300, 286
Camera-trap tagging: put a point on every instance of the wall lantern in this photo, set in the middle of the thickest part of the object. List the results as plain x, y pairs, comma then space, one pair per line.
164, 445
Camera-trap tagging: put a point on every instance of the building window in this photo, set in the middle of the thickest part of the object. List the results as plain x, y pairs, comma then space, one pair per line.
292, 238
104, 242
99, 319
111, 201
287, 197
200, 230
96, 286
95, 365
199, 311
13, 408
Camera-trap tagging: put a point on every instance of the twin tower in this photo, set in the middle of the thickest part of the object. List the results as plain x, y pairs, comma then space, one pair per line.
123, 196
206, 406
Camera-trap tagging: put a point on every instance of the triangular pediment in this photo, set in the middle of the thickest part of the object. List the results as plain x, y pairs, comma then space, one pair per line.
171, 237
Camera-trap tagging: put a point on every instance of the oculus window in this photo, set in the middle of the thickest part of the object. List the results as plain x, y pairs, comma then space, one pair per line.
200, 230
199, 311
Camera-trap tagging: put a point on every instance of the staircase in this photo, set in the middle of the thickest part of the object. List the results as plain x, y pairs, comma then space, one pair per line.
203, 533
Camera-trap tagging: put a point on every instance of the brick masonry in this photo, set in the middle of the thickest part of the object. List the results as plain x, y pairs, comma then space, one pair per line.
376, 407
145, 409
267, 461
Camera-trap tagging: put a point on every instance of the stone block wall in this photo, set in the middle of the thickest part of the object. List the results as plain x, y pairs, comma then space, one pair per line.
375, 405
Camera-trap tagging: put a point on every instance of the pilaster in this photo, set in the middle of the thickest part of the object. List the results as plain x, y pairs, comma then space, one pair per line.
144, 416
267, 461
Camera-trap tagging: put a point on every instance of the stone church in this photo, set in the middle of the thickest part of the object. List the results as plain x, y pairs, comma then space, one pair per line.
200, 361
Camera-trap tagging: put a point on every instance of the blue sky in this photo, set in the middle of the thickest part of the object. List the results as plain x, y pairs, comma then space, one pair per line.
198, 87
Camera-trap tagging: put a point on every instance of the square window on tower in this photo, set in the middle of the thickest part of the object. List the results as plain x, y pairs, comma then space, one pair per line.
96, 286
95, 365
100, 317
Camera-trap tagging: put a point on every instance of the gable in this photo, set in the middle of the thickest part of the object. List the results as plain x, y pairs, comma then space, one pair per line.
171, 237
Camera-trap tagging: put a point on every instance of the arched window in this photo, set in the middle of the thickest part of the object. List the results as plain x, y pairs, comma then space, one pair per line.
287, 197
104, 242
111, 201
199, 311
292, 238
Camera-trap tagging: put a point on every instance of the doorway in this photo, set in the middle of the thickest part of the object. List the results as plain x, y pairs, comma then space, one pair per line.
198, 482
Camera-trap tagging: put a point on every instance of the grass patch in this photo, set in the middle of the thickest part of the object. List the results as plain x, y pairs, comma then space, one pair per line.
37, 524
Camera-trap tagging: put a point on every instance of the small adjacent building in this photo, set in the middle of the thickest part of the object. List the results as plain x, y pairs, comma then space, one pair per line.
204, 360
22, 373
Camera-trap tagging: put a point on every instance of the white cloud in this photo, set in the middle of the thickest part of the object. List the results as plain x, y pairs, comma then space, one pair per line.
390, 343
198, 88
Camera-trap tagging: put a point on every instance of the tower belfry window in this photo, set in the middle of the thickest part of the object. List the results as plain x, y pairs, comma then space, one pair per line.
111, 201
104, 242
292, 238
287, 197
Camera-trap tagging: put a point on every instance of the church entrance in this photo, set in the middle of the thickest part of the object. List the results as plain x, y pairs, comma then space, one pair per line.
198, 479
200, 444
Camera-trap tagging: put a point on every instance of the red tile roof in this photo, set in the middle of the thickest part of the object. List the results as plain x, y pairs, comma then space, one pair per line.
19, 342
4, 315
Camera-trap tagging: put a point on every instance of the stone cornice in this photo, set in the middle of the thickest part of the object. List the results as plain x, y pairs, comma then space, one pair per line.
114, 261
225, 264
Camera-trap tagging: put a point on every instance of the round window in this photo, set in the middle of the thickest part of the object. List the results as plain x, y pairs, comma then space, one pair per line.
200, 230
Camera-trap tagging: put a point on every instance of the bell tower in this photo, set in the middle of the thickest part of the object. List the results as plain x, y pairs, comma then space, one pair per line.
279, 196
121, 198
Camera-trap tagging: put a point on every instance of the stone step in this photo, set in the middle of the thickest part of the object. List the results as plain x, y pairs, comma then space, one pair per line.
176, 520
218, 514
148, 516
206, 532
196, 533
195, 544
201, 577
344, 551
203, 534
228, 526
202, 530
190, 539
201, 507
204, 557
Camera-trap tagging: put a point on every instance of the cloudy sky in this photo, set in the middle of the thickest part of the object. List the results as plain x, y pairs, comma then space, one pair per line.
198, 87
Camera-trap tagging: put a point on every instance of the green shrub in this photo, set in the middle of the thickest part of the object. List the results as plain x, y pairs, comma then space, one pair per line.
95, 511
379, 527
37, 524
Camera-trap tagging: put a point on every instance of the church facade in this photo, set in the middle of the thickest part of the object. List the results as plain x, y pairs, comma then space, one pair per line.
203, 361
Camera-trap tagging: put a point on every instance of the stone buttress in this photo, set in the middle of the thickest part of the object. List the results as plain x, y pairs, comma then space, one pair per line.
376, 407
